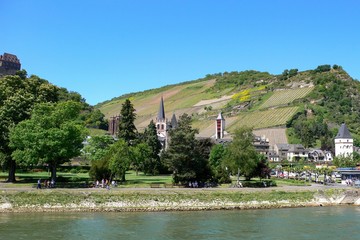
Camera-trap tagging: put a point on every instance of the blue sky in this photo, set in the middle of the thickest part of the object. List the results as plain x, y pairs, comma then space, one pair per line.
103, 49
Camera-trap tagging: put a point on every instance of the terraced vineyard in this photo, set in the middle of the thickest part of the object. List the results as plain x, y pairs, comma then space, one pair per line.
280, 98
263, 119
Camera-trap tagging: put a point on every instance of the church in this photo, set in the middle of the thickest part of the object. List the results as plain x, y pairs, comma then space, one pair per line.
163, 125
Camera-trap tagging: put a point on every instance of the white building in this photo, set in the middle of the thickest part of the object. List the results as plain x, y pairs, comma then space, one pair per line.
344, 143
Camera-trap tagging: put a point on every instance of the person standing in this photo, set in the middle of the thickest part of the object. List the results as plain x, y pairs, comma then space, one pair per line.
38, 184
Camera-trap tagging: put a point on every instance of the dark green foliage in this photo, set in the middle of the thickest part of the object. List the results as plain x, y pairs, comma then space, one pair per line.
216, 158
127, 129
185, 156
241, 153
288, 74
93, 118
18, 96
119, 159
323, 68
152, 164
347, 161
309, 129
237, 80
51, 136
100, 169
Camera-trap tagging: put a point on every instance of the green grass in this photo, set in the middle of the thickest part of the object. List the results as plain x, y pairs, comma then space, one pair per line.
132, 180
291, 182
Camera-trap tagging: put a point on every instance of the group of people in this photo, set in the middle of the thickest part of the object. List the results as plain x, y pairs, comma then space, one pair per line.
105, 183
47, 184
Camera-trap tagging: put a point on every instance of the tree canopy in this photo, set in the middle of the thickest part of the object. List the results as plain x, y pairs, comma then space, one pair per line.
18, 96
51, 136
184, 155
241, 153
127, 129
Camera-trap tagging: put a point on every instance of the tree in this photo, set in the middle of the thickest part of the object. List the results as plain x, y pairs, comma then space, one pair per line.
18, 95
119, 159
351, 161
216, 159
97, 147
262, 169
241, 154
152, 164
51, 136
127, 129
183, 155
139, 154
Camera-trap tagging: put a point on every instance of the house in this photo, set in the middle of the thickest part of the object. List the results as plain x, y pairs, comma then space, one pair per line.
317, 155
291, 152
261, 145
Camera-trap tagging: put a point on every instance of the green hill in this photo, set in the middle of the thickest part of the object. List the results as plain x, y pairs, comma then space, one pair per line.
257, 99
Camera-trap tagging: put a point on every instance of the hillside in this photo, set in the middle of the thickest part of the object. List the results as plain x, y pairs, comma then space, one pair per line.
256, 99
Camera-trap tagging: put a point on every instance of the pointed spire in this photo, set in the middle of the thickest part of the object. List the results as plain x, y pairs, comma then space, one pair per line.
343, 132
220, 117
174, 122
161, 113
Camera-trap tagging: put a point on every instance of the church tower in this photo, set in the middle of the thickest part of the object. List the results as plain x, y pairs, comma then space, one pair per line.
220, 126
343, 142
161, 120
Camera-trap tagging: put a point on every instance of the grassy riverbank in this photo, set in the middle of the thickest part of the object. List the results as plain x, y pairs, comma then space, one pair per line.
161, 200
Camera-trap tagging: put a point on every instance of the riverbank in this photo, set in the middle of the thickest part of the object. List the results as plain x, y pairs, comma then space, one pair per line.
78, 200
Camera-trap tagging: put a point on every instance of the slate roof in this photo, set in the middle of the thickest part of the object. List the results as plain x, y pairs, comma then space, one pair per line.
343, 132
174, 122
220, 117
161, 113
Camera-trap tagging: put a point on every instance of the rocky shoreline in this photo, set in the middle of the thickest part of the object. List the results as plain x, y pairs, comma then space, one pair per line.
149, 201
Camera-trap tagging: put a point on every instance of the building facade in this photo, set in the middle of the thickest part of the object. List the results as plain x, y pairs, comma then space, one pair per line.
344, 142
9, 64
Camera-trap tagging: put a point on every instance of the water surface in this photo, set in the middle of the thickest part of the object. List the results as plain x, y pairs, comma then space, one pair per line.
296, 223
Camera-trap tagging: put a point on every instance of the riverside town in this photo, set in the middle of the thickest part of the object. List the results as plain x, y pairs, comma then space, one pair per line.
273, 132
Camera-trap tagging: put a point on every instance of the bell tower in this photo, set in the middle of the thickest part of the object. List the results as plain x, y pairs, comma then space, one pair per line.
220, 126
161, 120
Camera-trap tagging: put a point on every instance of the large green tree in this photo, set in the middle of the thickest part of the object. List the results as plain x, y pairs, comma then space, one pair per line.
51, 136
183, 155
119, 159
18, 95
216, 159
139, 155
127, 129
152, 164
241, 154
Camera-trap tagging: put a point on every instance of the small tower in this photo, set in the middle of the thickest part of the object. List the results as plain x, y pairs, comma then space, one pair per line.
161, 120
343, 142
220, 126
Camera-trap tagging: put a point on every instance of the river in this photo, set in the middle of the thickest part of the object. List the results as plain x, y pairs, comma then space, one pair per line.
291, 223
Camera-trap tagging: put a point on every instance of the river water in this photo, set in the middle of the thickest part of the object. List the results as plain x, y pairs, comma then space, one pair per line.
296, 223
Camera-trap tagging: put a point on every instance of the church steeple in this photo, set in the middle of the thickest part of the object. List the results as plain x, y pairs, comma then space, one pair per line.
161, 113
161, 120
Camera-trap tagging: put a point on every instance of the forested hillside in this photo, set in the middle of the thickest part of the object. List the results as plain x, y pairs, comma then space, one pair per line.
310, 104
